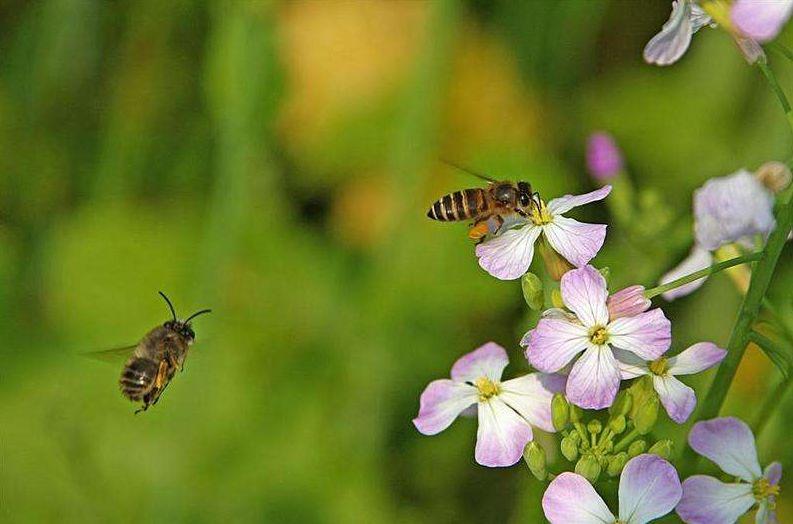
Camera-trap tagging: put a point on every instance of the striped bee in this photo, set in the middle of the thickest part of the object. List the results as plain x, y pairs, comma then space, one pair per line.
484, 205
155, 359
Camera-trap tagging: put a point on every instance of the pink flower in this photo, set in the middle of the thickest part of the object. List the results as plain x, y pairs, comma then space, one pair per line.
678, 399
761, 20
506, 410
628, 302
649, 489
560, 336
673, 40
729, 443
509, 255
603, 157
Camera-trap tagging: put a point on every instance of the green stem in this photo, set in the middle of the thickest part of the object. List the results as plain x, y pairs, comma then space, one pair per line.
774, 84
770, 404
626, 440
715, 268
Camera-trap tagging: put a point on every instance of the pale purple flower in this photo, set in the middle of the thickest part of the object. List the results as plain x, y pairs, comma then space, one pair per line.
673, 40
678, 399
628, 302
649, 489
698, 258
506, 410
729, 443
509, 255
603, 157
560, 336
761, 20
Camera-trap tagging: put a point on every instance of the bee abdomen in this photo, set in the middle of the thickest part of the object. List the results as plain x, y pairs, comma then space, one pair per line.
138, 377
459, 205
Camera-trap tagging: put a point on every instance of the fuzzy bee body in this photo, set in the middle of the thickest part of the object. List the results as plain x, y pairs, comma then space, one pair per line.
460, 205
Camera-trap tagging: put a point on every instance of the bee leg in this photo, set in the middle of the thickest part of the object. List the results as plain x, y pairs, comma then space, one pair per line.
144, 407
500, 220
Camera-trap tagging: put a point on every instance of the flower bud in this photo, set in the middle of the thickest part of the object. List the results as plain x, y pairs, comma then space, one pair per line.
594, 427
569, 448
534, 456
622, 403
532, 290
556, 299
774, 175
637, 447
616, 463
603, 157
628, 302
589, 468
617, 424
560, 411
647, 415
555, 264
662, 448
575, 413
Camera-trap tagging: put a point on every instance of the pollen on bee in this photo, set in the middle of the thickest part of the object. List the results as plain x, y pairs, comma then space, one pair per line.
478, 231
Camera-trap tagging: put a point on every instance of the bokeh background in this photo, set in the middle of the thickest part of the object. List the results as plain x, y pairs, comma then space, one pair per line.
274, 161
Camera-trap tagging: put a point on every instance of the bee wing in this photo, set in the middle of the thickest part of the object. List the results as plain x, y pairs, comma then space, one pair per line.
110, 355
469, 171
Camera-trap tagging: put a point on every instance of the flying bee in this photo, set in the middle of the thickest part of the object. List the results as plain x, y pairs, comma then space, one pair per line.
155, 359
494, 203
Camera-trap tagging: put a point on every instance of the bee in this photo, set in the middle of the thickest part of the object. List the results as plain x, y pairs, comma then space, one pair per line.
155, 359
487, 207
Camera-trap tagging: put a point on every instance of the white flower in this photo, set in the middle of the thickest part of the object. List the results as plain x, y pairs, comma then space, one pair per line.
673, 40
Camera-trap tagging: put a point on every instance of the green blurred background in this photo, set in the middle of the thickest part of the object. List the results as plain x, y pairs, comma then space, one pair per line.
274, 161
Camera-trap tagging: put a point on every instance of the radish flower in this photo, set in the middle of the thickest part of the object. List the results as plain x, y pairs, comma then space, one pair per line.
673, 40
678, 399
506, 410
761, 20
729, 443
560, 336
649, 489
509, 255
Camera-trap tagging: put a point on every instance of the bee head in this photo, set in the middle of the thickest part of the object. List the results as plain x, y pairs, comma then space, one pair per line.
524, 194
182, 327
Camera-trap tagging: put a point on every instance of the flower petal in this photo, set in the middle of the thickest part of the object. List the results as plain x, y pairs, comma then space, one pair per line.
485, 361
709, 501
773, 472
766, 515
678, 399
760, 20
673, 40
696, 358
554, 343
594, 380
649, 489
649, 334
584, 293
698, 258
508, 256
729, 443
631, 366
628, 302
530, 395
731, 207
571, 498
502, 434
440, 404
576, 241
560, 205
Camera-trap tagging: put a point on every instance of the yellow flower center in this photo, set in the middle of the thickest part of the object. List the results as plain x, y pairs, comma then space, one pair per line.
539, 214
762, 489
598, 335
658, 367
487, 388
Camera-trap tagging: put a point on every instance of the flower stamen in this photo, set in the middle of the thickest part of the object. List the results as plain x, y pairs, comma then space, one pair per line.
487, 388
598, 335
539, 214
658, 366
762, 489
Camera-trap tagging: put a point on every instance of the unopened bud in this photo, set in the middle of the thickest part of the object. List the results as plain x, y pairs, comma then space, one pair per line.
560, 411
575, 413
569, 448
556, 299
534, 456
616, 463
662, 448
617, 424
589, 468
647, 415
555, 264
622, 404
532, 290
774, 175
628, 302
603, 157
594, 427
637, 447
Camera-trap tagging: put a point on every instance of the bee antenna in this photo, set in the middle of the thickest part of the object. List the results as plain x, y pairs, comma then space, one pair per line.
467, 170
191, 317
173, 312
